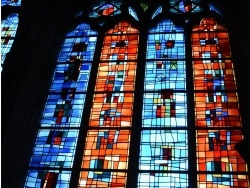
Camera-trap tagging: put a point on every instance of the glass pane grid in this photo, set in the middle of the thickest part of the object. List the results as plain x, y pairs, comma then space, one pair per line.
163, 157
164, 150
8, 33
217, 116
162, 180
48, 178
162, 111
218, 180
54, 147
90, 179
106, 151
164, 144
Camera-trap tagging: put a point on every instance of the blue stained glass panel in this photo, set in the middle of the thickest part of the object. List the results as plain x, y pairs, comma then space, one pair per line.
165, 74
213, 8
46, 178
162, 180
158, 11
164, 150
8, 32
64, 71
166, 41
54, 148
132, 13
61, 113
82, 30
164, 112
11, 2
79, 48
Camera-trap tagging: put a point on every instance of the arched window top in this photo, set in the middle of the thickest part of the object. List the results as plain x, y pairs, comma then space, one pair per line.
147, 98
11, 2
208, 24
82, 30
166, 26
102, 11
123, 27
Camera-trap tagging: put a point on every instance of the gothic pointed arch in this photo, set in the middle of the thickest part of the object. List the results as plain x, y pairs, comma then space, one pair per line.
142, 96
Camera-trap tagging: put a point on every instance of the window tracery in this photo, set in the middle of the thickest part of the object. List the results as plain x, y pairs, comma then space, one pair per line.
164, 129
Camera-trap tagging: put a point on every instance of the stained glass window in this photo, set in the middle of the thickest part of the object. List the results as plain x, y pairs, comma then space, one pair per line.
133, 13
8, 33
106, 152
11, 2
217, 116
106, 9
124, 70
57, 137
158, 11
183, 6
213, 8
164, 144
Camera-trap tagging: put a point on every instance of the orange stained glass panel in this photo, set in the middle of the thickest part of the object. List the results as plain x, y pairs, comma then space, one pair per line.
113, 113
108, 11
120, 43
219, 110
110, 145
106, 151
116, 76
218, 145
206, 73
236, 181
216, 105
